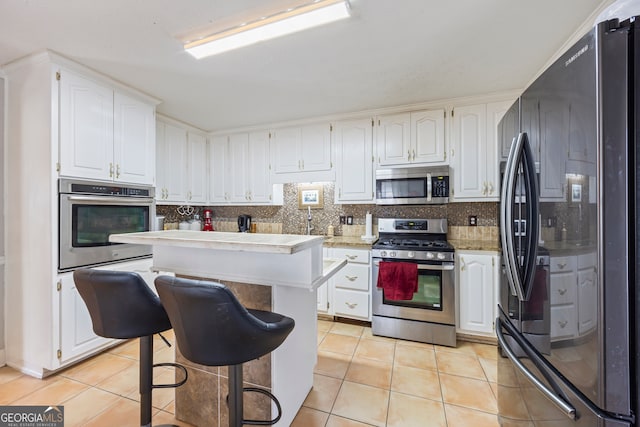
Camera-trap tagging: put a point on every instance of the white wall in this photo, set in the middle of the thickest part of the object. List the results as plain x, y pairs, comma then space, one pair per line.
2, 208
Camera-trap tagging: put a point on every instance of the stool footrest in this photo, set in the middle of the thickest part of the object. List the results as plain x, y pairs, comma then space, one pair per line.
270, 396
174, 385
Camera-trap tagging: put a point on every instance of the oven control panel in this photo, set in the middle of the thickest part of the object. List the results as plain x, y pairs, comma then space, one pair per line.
413, 255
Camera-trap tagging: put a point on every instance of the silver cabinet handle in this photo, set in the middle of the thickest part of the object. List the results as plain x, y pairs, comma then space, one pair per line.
408, 155
351, 278
491, 188
413, 155
117, 171
562, 264
351, 257
562, 291
463, 265
351, 304
110, 170
562, 323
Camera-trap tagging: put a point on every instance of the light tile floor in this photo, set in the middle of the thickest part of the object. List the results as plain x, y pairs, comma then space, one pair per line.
360, 380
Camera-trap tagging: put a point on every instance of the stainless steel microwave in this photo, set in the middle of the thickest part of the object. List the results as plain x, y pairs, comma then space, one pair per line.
412, 186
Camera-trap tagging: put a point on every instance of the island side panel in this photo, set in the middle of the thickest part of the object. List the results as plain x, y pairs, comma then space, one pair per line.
300, 269
292, 364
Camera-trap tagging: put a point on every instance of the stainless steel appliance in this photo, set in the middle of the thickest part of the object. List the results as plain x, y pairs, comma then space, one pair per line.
89, 211
412, 186
430, 315
244, 223
577, 363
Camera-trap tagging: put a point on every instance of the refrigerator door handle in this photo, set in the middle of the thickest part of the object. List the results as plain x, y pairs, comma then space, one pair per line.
547, 369
506, 218
564, 406
532, 235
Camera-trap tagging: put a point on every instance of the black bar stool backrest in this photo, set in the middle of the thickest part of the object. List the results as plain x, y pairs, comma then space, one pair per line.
121, 304
212, 328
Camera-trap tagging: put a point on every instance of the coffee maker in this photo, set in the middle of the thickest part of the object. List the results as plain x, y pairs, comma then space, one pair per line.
244, 223
208, 220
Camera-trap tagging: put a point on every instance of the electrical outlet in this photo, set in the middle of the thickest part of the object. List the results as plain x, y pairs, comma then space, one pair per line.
343, 219
473, 220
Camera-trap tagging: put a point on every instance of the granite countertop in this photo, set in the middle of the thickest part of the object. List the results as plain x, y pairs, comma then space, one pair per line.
476, 245
247, 242
347, 241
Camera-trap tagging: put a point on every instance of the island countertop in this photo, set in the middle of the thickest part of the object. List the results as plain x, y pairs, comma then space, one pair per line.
249, 242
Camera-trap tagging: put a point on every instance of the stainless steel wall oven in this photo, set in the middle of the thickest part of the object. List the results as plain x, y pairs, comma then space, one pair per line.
89, 211
429, 316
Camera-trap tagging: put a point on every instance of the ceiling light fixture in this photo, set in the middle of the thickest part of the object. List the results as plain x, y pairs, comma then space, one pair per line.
290, 21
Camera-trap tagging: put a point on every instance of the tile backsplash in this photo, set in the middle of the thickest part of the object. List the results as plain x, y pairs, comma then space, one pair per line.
289, 219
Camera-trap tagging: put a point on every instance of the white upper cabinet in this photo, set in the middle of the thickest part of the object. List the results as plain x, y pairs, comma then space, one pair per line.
302, 154
86, 128
554, 147
353, 145
172, 163
239, 169
197, 179
219, 170
474, 151
417, 137
134, 145
104, 134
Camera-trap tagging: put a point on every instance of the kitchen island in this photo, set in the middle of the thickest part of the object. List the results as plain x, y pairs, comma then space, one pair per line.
272, 272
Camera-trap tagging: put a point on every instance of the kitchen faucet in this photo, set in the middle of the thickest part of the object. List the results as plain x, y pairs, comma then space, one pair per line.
309, 227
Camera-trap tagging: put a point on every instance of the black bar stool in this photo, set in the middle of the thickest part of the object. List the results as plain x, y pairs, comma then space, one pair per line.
122, 305
212, 328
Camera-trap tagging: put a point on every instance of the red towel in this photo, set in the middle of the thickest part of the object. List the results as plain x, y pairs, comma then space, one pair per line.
399, 280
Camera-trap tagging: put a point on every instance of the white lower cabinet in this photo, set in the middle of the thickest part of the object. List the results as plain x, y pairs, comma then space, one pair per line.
477, 293
574, 299
348, 293
77, 339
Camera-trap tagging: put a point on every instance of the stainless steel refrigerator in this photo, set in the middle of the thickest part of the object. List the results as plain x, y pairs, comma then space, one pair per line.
569, 317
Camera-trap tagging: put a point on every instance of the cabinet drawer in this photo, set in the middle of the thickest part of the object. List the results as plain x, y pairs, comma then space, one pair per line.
563, 288
351, 303
352, 255
566, 263
563, 322
587, 260
353, 276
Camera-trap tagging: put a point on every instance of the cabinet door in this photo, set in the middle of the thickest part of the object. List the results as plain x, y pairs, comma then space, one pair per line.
476, 284
323, 298
393, 139
554, 147
510, 129
587, 300
495, 113
161, 180
134, 147
259, 182
197, 168
427, 136
286, 150
353, 141
353, 304
238, 164
315, 147
86, 128
175, 163
218, 171
76, 329
469, 151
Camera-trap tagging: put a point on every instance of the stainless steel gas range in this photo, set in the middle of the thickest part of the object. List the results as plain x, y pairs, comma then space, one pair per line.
427, 314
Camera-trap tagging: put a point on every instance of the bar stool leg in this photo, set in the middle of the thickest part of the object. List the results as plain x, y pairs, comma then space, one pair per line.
146, 379
235, 396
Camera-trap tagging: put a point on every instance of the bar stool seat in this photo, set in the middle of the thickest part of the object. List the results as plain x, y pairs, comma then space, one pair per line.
122, 305
212, 328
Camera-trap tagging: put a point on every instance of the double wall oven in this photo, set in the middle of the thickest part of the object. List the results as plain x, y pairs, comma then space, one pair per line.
90, 211
429, 316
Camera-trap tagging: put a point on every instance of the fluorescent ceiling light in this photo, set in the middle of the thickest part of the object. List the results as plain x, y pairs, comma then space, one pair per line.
308, 16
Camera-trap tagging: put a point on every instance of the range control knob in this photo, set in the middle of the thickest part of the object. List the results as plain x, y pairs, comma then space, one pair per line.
440, 255
392, 254
383, 254
430, 255
411, 254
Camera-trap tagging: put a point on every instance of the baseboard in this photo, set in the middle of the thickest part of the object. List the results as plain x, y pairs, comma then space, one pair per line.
3, 357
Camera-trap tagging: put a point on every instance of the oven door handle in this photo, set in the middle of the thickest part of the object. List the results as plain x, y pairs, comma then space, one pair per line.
108, 200
443, 267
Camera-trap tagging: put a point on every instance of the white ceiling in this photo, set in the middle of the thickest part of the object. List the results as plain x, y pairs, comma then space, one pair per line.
389, 53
